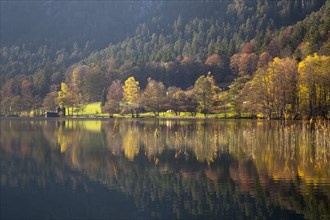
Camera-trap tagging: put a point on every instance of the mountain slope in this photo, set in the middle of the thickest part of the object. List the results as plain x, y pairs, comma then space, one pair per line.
170, 41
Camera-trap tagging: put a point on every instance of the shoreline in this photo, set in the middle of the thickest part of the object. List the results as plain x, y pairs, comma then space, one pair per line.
210, 117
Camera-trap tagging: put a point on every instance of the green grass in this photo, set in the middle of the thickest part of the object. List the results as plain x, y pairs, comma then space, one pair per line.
94, 109
88, 109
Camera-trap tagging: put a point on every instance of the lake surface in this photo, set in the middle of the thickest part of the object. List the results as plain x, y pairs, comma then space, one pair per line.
164, 169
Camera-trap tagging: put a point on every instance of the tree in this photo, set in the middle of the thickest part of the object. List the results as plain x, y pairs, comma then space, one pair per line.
214, 60
256, 94
26, 95
190, 101
249, 47
204, 89
314, 86
50, 101
284, 77
11, 105
65, 97
131, 92
273, 89
78, 77
114, 97
36, 105
94, 83
15, 105
40, 82
234, 63
247, 64
172, 101
264, 59
153, 97
177, 26
234, 98
7, 90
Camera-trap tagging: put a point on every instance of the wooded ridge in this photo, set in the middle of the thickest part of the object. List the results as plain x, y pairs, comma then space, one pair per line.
266, 57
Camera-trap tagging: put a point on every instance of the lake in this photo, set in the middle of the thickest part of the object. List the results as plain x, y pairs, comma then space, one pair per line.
164, 169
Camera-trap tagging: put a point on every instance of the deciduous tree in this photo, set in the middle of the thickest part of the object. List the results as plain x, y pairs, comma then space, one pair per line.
50, 101
153, 97
114, 97
131, 92
273, 90
65, 97
205, 91
314, 85
26, 97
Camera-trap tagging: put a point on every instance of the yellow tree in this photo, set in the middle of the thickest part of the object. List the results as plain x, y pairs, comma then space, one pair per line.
77, 75
65, 96
257, 94
314, 86
283, 81
131, 143
273, 89
131, 92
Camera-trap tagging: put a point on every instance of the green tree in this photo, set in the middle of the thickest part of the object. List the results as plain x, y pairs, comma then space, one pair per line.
257, 96
190, 101
205, 91
233, 100
40, 80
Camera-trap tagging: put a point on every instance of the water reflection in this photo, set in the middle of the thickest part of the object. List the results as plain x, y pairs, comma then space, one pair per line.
178, 168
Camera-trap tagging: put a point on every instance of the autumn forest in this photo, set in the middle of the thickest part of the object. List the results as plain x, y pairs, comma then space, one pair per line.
165, 109
256, 59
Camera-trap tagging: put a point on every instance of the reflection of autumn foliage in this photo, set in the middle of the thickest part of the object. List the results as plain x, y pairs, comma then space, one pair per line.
281, 151
244, 174
30, 158
206, 164
268, 153
131, 144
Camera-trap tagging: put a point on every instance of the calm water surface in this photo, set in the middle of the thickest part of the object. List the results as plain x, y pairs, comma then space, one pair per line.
163, 169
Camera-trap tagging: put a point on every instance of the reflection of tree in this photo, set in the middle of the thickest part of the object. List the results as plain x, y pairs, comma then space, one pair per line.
27, 160
274, 156
131, 145
283, 152
224, 168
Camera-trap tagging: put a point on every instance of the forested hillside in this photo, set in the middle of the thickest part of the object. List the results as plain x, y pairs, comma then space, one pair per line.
56, 49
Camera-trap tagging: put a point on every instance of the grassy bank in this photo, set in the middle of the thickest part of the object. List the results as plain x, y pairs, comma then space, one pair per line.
94, 110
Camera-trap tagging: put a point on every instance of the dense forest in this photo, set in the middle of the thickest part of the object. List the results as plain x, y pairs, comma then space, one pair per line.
199, 56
